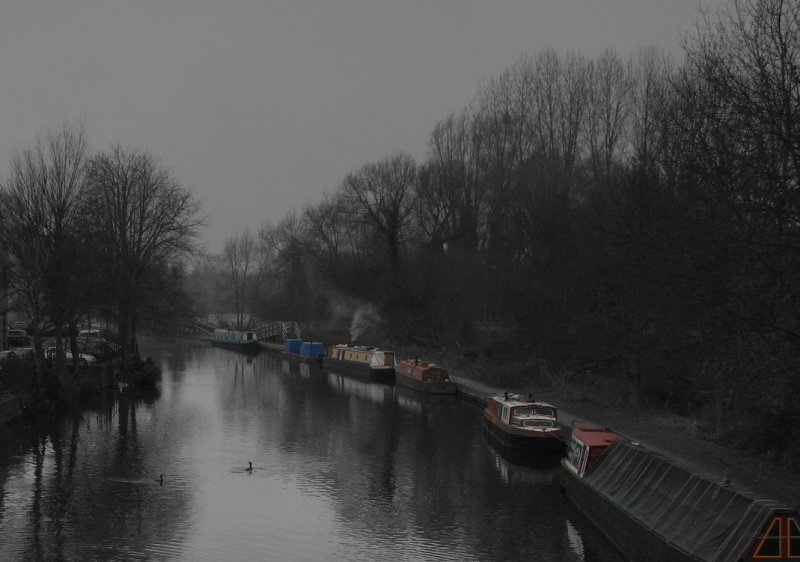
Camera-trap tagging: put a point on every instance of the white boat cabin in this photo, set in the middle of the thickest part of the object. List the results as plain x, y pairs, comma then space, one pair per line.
514, 410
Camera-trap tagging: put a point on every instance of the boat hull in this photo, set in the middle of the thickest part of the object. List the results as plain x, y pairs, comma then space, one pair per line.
250, 347
302, 359
522, 447
447, 387
630, 536
384, 375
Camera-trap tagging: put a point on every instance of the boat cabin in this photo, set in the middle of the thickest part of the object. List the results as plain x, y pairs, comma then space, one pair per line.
588, 443
374, 357
513, 409
234, 337
421, 371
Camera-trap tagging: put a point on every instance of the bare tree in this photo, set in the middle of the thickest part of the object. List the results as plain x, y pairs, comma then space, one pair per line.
451, 197
382, 194
44, 216
608, 111
239, 254
144, 220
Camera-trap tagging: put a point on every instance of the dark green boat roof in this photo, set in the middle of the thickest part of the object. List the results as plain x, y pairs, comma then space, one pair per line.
700, 516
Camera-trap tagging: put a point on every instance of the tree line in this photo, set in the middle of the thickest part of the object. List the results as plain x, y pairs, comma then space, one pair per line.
631, 222
100, 237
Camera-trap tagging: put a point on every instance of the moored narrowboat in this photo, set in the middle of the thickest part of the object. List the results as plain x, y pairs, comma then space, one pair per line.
375, 364
245, 342
523, 428
306, 351
427, 378
652, 508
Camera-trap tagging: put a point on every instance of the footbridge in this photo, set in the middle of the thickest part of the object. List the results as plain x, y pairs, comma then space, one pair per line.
276, 332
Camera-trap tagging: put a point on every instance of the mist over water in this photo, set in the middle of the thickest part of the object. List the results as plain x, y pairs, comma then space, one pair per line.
341, 470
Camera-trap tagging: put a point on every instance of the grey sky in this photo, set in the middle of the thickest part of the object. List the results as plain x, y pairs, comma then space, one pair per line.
259, 106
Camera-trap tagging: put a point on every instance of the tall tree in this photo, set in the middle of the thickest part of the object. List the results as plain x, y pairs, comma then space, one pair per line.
44, 216
451, 198
145, 220
739, 124
239, 253
609, 107
382, 194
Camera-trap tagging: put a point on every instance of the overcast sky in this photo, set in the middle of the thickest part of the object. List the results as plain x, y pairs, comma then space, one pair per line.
259, 106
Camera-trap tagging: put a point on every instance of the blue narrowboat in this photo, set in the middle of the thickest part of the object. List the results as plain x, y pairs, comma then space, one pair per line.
307, 351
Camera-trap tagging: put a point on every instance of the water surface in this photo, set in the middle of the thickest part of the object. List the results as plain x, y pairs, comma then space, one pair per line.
342, 470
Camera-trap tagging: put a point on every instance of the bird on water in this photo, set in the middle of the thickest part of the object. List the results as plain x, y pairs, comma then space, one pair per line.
250, 467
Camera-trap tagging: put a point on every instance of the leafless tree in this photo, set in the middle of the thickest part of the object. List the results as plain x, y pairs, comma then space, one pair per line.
452, 197
44, 198
382, 196
144, 220
607, 117
239, 254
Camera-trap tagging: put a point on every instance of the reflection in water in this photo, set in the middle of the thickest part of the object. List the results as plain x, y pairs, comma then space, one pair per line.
341, 469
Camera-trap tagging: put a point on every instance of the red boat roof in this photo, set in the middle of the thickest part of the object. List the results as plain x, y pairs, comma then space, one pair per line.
595, 436
417, 363
513, 400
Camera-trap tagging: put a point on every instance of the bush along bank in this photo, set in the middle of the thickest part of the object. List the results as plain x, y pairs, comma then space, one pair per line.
24, 394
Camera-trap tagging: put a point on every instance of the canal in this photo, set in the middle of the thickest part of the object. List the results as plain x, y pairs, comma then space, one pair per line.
341, 470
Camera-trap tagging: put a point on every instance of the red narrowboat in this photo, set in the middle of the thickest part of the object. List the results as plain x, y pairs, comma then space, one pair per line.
522, 427
427, 378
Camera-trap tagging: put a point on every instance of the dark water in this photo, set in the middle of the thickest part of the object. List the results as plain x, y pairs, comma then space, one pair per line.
342, 470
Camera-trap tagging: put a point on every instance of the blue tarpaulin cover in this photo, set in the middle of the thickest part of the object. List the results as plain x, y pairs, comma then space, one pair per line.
312, 349
292, 346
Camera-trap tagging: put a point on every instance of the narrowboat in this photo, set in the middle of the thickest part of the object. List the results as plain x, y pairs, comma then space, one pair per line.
245, 342
523, 428
375, 364
652, 508
306, 351
427, 378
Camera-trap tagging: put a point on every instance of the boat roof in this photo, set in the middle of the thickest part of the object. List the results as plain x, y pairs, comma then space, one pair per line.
360, 347
595, 436
704, 517
518, 400
421, 363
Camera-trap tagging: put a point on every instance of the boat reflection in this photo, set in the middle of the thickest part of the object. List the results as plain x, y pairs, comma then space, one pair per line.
290, 368
417, 403
511, 474
375, 392
310, 370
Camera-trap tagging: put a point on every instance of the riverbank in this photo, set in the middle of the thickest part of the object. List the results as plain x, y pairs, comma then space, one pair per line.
21, 395
674, 436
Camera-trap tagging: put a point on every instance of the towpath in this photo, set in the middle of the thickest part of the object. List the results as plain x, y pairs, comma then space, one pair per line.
665, 435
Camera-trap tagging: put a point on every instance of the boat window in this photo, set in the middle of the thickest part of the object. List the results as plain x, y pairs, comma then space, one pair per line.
780, 540
770, 544
538, 423
576, 453
545, 412
523, 411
